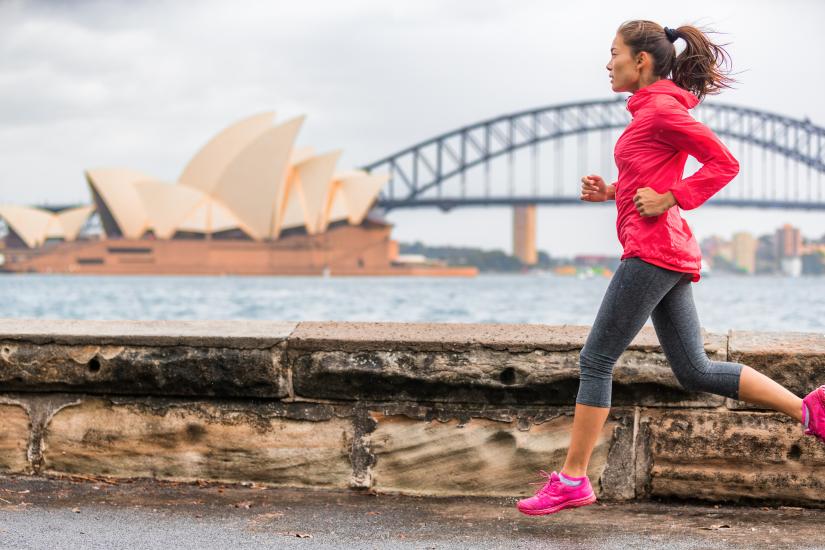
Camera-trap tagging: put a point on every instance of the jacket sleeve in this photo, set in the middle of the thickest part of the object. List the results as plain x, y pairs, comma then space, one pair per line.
675, 126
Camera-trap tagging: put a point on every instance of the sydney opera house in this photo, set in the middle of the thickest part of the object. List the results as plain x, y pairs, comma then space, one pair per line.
249, 202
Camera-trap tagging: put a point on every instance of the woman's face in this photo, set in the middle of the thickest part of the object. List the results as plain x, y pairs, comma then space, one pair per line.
624, 70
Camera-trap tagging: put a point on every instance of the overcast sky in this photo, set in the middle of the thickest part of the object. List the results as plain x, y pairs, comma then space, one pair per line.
144, 84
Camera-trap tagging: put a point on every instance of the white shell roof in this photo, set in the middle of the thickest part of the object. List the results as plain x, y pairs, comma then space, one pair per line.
206, 168
249, 176
35, 225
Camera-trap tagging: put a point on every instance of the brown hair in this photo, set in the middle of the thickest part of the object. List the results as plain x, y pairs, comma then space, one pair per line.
702, 68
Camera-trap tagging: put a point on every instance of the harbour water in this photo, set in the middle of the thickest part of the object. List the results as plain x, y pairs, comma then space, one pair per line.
765, 303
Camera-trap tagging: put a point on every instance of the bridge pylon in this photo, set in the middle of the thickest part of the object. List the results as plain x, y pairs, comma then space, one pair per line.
524, 234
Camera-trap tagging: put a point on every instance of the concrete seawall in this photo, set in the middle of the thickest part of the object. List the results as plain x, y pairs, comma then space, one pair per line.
433, 409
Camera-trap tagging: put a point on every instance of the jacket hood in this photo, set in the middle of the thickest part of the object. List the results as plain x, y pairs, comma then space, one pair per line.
663, 86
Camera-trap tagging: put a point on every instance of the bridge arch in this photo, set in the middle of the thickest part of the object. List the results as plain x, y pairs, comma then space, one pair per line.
421, 168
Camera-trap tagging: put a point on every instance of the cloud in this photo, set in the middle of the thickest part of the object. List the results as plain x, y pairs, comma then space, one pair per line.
144, 84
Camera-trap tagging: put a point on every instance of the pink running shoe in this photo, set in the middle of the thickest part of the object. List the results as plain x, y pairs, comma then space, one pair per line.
816, 407
555, 496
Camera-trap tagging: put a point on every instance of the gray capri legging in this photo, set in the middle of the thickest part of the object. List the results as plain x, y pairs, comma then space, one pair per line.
639, 290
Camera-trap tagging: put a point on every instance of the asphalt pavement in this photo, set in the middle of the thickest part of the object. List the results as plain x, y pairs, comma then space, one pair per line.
90, 514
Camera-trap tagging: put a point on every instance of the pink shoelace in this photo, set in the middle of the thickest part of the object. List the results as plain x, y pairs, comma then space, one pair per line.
547, 485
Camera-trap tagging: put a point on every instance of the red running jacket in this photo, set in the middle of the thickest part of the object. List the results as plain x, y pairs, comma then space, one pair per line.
651, 152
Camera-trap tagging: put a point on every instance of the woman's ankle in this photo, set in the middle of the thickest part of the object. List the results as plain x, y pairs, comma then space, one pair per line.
573, 472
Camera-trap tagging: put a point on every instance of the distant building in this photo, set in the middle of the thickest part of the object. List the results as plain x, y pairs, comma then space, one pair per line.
788, 241
766, 262
791, 266
710, 246
789, 250
744, 251
813, 263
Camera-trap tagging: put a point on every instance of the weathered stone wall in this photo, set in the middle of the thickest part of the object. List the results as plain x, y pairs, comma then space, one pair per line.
426, 409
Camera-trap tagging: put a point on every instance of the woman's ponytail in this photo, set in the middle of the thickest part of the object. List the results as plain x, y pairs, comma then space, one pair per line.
703, 66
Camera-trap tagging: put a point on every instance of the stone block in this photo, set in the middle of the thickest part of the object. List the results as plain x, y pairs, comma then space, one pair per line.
794, 359
14, 439
499, 368
730, 455
143, 370
483, 456
190, 441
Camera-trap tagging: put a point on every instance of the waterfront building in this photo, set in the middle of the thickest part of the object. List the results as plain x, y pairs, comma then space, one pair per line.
249, 202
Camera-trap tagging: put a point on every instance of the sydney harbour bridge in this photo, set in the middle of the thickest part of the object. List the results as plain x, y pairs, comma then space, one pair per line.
537, 157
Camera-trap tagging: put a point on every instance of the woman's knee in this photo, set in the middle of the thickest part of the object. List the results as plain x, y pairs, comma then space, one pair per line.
692, 382
596, 365
692, 373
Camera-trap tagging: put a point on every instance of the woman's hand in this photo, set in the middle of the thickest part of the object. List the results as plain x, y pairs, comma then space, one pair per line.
594, 189
650, 203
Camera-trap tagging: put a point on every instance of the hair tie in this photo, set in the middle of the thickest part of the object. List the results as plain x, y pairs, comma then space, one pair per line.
672, 34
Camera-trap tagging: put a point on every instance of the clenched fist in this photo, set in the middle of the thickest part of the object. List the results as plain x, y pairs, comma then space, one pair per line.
650, 203
593, 189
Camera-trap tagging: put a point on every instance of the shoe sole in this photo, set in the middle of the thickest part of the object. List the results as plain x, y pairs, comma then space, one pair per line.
561, 506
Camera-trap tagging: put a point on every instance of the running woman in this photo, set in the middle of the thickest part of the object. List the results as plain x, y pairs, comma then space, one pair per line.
661, 257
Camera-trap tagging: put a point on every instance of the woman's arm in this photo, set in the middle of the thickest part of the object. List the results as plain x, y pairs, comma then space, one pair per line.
677, 128
611, 192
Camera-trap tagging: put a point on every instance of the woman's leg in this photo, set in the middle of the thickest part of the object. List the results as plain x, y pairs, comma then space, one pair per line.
755, 387
587, 425
677, 326
633, 292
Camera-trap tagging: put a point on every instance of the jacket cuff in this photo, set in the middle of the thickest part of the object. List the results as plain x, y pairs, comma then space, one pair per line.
682, 195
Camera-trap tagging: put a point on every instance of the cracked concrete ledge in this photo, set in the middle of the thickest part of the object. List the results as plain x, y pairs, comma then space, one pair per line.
434, 337
392, 407
234, 334
332, 360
